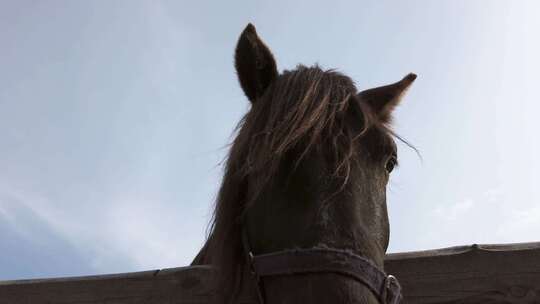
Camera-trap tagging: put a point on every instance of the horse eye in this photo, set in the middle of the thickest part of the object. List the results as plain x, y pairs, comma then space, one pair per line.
391, 163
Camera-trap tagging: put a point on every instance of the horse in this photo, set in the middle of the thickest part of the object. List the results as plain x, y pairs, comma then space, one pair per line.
307, 172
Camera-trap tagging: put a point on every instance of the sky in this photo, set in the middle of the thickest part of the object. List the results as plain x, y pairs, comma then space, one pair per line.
115, 117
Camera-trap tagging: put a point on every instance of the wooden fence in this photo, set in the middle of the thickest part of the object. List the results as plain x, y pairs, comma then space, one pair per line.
465, 274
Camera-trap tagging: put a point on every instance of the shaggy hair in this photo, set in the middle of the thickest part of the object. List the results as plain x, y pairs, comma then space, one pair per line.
302, 111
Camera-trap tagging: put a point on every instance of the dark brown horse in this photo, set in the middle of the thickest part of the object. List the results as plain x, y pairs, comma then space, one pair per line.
308, 168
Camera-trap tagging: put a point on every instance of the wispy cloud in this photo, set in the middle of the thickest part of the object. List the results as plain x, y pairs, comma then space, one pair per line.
31, 247
130, 234
454, 212
487, 218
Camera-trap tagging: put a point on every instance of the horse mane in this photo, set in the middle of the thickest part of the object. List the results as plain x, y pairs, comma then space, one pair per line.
302, 111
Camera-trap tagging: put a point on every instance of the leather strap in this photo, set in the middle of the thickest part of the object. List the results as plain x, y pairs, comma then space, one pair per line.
324, 260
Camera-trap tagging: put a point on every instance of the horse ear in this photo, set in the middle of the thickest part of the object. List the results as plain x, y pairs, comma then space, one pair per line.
383, 100
255, 64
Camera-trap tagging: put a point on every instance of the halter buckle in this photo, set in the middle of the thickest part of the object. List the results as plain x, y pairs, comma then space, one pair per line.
252, 271
392, 290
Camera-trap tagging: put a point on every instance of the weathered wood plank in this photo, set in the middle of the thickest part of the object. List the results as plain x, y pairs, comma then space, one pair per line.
180, 285
466, 274
470, 274
171, 286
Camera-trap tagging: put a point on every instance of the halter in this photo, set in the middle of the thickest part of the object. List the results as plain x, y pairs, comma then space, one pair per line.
322, 260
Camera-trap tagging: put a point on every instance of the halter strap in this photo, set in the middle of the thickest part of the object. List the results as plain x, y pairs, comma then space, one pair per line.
323, 260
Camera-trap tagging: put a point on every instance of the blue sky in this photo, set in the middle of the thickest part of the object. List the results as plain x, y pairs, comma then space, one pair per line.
114, 117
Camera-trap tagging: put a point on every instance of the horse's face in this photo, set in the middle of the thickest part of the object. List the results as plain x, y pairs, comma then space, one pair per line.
301, 209
310, 164
316, 203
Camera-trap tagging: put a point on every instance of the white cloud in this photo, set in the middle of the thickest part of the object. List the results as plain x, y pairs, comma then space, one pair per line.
130, 233
154, 234
487, 218
454, 211
521, 225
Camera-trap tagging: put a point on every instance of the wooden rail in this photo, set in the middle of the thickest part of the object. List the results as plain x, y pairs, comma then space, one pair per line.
465, 274
470, 274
